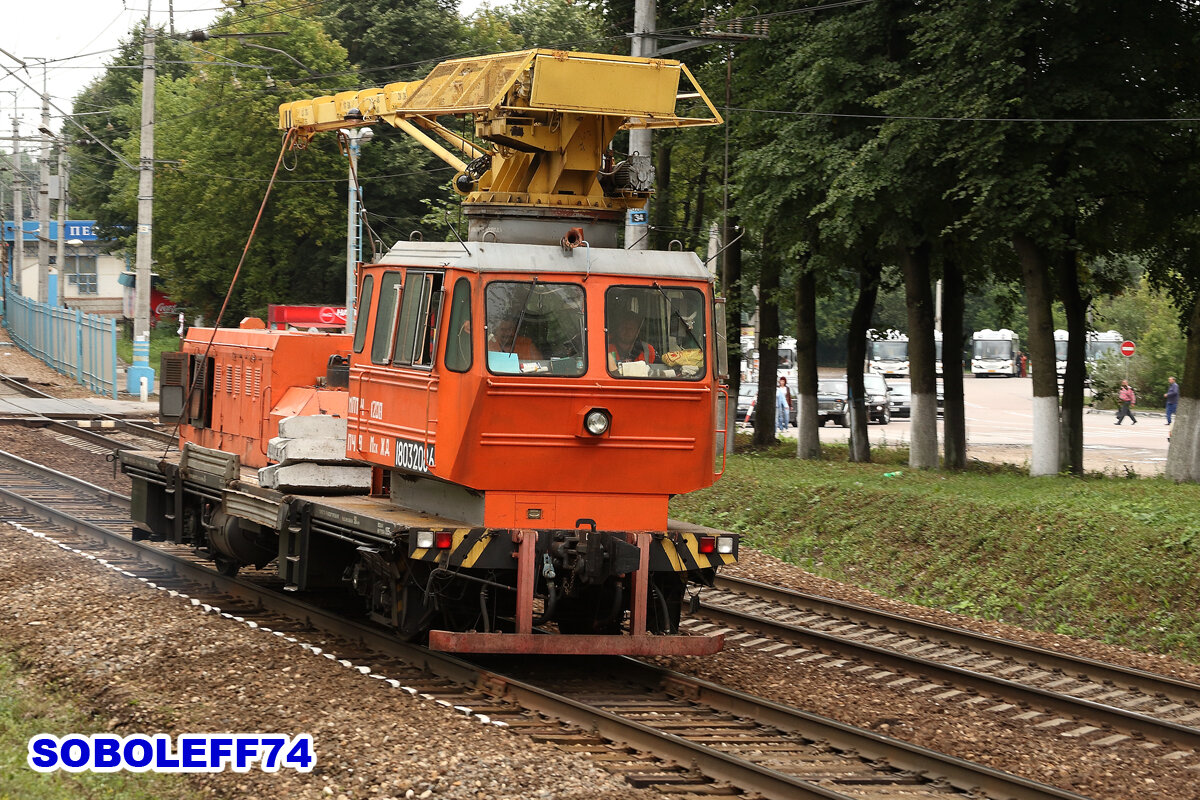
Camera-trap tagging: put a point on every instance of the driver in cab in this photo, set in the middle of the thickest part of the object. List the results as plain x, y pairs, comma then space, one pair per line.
503, 338
624, 341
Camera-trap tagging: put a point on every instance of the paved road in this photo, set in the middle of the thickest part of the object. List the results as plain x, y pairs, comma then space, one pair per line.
1000, 428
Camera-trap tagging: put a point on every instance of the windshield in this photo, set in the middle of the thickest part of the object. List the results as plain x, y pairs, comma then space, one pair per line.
831, 387
900, 389
1097, 350
993, 348
874, 384
655, 332
937, 348
889, 351
1060, 350
535, 328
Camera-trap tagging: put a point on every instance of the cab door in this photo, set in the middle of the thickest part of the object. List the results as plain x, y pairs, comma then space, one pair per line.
416, 381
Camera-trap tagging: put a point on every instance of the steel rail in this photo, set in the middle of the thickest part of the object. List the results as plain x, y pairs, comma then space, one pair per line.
713, 763
1099, 671
1119, 719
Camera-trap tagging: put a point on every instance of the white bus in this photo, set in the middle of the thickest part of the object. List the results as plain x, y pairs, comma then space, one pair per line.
887, 353
995, 353
1061, 338
1099, 344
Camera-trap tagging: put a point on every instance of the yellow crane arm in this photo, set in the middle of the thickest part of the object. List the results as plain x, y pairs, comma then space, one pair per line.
548, 115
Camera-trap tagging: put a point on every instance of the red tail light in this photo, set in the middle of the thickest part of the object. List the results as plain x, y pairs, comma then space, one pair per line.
443, 539
708, 544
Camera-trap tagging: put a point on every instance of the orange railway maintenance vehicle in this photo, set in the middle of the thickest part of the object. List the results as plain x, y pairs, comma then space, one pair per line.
487, 458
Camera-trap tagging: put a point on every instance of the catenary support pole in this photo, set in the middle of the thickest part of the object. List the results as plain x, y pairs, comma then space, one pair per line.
43, 235
18, 187
143, 266
637, 222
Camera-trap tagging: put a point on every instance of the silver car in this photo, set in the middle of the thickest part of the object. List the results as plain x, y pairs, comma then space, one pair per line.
900, 396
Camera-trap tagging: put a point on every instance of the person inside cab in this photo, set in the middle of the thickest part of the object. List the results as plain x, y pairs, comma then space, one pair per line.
624, 340
503, 337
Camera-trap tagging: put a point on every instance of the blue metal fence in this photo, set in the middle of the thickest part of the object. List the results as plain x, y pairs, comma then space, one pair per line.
82, 346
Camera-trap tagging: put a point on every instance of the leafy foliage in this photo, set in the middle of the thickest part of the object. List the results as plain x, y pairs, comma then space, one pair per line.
218, 167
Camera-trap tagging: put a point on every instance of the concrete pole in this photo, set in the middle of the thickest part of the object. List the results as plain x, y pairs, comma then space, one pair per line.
141, 307
640, 141
18, 187
43, 293
352, 136
60, 256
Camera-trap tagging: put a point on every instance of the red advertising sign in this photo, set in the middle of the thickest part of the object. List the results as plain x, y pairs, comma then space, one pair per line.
1127, 348
304, 317
161, 306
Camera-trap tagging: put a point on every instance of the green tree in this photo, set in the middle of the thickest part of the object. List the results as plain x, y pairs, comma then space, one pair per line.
217, 143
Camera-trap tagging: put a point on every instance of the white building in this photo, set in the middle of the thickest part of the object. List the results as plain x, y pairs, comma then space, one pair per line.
92, 277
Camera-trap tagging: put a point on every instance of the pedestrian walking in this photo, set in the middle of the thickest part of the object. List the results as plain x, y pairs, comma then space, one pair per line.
783, 405
1126, 399
1172, 397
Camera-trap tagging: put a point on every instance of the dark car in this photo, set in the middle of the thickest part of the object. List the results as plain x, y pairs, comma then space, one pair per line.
831, 402
877, 398
901, 398
941, 397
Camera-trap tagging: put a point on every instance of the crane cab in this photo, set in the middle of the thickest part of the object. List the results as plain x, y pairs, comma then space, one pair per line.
536, 386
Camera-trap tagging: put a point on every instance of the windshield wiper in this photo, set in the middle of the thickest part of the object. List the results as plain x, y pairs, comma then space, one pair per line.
686, 325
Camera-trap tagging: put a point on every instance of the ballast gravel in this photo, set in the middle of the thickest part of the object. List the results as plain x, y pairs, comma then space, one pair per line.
145, 662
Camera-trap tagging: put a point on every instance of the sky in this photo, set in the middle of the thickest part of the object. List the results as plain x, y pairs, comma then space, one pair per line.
76, 38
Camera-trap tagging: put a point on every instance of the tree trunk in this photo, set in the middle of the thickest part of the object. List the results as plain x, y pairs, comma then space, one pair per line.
954, 422
808, 441
731, 285
661, 206
1071, 444
856, 361
923, 449
1036, 274
1183, 455
768, 343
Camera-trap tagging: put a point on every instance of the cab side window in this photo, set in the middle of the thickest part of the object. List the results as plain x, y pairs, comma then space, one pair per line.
364, 307
458, 341
385, 318
416, 332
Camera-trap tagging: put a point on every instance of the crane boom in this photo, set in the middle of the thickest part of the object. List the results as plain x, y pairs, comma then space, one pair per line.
547, 117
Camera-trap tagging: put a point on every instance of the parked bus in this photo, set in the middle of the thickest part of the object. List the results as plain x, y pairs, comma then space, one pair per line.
887, 353
995, 353
1099, 344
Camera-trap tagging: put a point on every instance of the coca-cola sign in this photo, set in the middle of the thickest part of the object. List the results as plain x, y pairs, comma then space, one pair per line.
322, 317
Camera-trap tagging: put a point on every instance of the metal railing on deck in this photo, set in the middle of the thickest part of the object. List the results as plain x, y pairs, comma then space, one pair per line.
81, 346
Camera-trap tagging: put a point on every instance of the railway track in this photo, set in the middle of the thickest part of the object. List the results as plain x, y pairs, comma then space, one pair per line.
657, 728
83, 427
1077, 696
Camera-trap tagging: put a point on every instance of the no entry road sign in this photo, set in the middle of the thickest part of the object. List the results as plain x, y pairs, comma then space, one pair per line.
1127, 348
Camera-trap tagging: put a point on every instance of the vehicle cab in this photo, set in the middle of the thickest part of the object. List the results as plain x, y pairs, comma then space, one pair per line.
537, 386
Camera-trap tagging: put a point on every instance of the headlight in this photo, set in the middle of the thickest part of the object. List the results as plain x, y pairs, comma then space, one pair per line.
597, 421
725, 544
424, 540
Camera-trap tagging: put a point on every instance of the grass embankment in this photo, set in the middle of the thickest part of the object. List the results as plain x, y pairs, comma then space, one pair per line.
1114, 559
26, 711
161, 339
